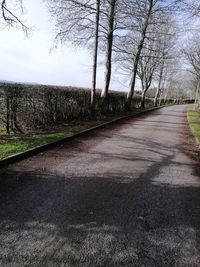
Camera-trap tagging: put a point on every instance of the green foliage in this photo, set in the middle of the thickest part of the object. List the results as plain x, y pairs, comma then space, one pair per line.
194, 120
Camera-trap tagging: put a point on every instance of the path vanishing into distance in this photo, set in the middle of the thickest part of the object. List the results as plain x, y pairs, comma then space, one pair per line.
126, 195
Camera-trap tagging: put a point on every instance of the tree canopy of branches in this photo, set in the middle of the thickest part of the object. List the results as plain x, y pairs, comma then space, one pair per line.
11, 12
112, 24
192, 56
146, 18
78, 22
137, 37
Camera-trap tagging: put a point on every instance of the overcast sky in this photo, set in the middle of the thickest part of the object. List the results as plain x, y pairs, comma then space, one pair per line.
30, 60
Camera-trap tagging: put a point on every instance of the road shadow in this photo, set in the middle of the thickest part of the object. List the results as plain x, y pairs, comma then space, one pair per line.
115, 220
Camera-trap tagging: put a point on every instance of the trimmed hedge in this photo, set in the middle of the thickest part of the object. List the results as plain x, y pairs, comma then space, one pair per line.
27, 107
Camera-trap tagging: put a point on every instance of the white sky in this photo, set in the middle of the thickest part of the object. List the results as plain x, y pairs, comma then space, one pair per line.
29, 60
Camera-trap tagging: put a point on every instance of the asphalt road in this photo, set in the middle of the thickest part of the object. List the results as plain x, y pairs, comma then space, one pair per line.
127, 195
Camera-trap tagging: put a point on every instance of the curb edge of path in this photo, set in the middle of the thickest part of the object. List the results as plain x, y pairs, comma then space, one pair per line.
36, 150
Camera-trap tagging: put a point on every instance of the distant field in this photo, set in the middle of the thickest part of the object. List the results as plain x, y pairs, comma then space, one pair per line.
194, 120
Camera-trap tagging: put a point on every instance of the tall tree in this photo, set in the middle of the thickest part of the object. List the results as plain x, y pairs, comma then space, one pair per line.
148, 65
149, 13
96, 44
192, 55
78, 22
109, 45
167, 53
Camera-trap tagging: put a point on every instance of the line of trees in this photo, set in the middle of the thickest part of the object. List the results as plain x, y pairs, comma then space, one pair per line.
136, 34
191, 50
139, 37
191, 53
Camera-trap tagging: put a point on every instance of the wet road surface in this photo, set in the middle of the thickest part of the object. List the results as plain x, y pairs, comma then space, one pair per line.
127, 195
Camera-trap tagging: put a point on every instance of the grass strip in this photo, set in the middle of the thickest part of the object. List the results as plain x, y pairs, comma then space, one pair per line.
14, 144
194, 121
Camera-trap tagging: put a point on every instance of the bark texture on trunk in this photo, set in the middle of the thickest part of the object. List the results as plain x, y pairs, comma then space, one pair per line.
93, 91
108, 60
159, 86
197, 96
156, 98
7, 115
143, 99
137, 57
145, 88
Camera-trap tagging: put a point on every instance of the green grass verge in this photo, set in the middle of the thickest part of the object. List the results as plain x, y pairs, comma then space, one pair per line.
10, 145
194, 121
15, 144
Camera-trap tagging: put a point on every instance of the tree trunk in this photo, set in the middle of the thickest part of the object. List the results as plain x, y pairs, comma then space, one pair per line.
55, 115
108, 61
93, 91
196, 96
158, 91
143, 99
137, 57
7, 115
156, 97
159, 86
16, 124
133, 80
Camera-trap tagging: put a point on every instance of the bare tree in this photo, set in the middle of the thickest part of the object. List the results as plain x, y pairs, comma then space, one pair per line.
78, 22
149, 13
167, 54
11, 12
147, 66
192, 55
109, 45
157, 53
91, 23
96, 43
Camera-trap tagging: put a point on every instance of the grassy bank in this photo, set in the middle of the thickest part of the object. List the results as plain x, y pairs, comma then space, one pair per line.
194, 121
13, 144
